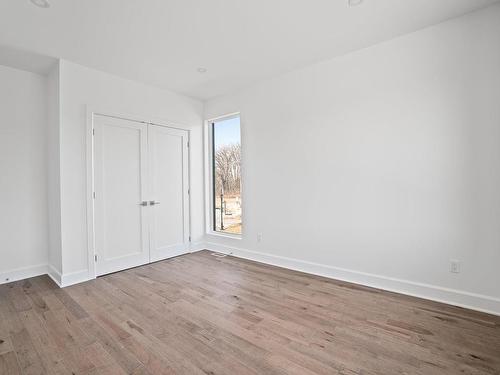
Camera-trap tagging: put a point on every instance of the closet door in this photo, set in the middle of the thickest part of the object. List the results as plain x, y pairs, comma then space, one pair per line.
120, 205
169, 200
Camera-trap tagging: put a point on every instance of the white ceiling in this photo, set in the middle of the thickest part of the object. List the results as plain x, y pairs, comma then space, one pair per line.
163, 42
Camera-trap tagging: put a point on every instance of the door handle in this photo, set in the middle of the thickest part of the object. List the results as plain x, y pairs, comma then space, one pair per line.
152, 203
143, 203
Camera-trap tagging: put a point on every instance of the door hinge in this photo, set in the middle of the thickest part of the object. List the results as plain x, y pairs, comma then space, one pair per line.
93, 131
189, 238
93, 194
95, 257
188, 144
189, 191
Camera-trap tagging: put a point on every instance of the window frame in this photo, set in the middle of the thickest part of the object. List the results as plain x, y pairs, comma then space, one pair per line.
209, 177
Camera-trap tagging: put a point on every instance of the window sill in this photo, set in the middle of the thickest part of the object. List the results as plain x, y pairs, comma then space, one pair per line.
225, 235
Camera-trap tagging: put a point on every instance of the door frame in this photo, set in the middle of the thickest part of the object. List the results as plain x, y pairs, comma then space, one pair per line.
91, 112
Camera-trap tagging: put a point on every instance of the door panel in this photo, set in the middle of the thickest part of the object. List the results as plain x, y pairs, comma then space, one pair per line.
168, 154
121, 225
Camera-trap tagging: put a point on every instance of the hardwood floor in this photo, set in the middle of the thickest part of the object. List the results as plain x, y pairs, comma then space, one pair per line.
198, 314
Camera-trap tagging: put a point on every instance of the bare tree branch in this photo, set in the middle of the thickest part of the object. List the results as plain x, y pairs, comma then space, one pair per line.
228, 169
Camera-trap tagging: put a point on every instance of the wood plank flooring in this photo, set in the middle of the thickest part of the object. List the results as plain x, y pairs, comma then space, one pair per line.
198, 314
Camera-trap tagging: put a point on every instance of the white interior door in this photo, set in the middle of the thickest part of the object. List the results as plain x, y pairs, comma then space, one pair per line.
169, 200
120, 179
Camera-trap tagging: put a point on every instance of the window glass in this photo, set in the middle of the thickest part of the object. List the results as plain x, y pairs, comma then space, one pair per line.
226, 182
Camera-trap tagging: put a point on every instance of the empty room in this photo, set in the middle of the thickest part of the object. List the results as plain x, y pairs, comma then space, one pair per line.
233, 187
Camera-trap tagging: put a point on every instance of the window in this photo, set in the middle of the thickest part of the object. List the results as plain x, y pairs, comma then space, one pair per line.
226, 175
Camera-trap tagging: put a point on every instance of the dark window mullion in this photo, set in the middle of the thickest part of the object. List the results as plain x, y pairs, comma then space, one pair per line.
213, 179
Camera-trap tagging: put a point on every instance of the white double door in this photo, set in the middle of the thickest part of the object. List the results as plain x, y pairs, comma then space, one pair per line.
141, 202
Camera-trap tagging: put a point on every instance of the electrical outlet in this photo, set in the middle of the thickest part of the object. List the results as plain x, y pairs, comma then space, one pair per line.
455, 266
259, 237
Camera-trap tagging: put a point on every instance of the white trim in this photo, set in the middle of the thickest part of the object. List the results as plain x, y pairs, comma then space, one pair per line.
173, 251
89, 133
197, 246
208, 175
22, 273
44, 269
144, 118
449, 296
473, 301
225, 117
74, 278
54, 274
207, 189
68, 279
224, 235
90, 113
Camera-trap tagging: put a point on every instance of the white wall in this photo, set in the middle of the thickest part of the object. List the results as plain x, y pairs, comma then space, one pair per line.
382, 165
81, 87
54, 172
23, 169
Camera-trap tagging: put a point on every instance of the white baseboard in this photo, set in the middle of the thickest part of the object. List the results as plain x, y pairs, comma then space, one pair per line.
22, 273
63, 280
449, 296
74, 278
197, 246
171, 252
54, 274
44, 269
454, 297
